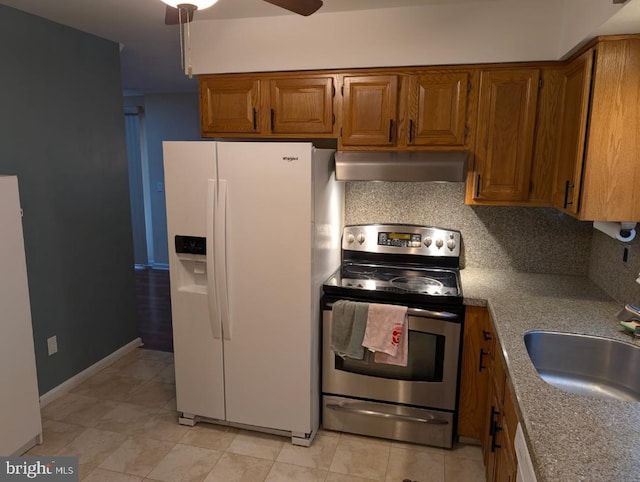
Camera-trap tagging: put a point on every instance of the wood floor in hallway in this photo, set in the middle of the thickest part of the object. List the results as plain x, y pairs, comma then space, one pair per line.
153, 299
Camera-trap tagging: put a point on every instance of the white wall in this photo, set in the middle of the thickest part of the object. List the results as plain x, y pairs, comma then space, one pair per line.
581, 19
626, 20
492, 31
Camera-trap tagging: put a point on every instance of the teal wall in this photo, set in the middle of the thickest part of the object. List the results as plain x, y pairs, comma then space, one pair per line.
62, 134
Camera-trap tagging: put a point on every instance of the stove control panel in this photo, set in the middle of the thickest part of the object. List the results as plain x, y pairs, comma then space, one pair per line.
402, 239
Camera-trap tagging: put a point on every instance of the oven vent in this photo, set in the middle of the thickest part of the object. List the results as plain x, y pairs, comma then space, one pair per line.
416, 166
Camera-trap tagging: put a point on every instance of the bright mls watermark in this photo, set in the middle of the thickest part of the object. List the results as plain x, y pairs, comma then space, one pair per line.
63, 469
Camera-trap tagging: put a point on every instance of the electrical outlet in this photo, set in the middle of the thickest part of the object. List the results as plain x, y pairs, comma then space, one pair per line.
52, 345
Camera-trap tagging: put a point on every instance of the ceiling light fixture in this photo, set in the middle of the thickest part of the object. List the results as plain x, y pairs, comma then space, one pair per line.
185, 15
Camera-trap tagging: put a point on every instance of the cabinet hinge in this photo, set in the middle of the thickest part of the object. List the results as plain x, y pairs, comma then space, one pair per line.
333, 90
468, 86
341, 132
342, 90
540, 83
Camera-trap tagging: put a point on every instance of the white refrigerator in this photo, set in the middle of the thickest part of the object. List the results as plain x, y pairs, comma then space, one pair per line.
20, 423
254, 230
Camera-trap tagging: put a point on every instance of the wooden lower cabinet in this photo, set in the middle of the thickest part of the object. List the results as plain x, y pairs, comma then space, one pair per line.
506, 464
477, 353
487, 410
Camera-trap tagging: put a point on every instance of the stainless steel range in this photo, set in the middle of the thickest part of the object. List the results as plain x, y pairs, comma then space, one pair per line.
414, 266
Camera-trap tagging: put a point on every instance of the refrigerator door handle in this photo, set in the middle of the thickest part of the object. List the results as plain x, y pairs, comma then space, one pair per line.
214, 315
220, 254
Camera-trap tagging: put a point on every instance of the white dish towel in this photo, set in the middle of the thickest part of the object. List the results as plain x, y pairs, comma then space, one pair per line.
387, 333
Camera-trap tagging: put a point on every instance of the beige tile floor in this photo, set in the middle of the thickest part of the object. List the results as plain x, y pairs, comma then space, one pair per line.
122, 425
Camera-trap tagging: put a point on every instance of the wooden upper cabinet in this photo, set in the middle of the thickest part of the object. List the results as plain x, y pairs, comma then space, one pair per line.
576, 89
610, 188
438, 109
546, 136
267, 105
369, 110
229, 105
505, 132
301, 105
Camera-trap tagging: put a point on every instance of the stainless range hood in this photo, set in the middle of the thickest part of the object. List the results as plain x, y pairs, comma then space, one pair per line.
417, 166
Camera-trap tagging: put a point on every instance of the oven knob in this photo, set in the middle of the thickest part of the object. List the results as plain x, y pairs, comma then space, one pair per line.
439, 243
427, 241
451, 244
350, 239
360, 238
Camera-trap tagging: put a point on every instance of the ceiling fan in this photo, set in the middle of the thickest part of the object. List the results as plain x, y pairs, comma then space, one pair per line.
186, 8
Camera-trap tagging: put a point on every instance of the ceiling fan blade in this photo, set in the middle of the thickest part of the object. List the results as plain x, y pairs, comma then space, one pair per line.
301, 7
171, 16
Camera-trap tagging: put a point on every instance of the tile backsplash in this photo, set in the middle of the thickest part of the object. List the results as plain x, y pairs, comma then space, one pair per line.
539, 240
607, 269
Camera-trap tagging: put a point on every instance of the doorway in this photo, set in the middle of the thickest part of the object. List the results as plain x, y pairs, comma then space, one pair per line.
153, 296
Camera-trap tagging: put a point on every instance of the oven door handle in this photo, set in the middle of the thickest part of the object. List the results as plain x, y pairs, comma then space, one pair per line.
437, 315
406, 418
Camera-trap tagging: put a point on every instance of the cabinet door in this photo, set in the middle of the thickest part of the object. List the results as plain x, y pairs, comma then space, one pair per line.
438, 109
506, 121
300, 106
229, 105
505, 466
474, 379
494, 413
611, 178
490, 435
506, 462
573, 130
369, 112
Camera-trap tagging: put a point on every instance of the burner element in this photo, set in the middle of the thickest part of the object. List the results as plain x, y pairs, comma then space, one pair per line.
360, 269
416, 284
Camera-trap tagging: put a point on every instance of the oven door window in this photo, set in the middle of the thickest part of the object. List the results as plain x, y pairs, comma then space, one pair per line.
424, 361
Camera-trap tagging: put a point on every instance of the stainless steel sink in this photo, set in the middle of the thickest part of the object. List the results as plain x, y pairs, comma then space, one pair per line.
586, 365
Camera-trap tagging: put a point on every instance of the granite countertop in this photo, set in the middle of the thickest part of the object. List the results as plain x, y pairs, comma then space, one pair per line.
570, 437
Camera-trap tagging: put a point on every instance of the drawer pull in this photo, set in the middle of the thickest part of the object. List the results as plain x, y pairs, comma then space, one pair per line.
407, 418
567, 185
480, 365
437, 315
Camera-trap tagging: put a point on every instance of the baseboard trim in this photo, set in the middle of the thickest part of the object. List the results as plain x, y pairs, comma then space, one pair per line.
76, 380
